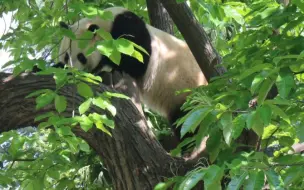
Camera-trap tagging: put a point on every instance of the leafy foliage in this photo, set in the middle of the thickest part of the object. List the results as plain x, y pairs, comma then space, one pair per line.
261, 43
262, 47
32, 159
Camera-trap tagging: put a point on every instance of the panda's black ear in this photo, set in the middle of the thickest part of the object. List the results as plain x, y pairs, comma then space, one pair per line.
93, 27
63, 25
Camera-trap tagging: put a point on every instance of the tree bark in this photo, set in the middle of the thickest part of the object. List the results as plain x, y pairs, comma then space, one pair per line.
196, 38
133, 156
159, 17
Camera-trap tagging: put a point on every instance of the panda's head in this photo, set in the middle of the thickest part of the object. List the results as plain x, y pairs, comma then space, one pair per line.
71, 54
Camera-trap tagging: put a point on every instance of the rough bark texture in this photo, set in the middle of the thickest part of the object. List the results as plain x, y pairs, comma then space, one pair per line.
159, 17
133, 156
196, 38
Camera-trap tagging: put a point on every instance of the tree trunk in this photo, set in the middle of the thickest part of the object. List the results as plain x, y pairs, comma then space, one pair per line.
159, 17
133, 156
196, 38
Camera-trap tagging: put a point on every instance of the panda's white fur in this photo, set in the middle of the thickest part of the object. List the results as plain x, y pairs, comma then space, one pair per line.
171, 67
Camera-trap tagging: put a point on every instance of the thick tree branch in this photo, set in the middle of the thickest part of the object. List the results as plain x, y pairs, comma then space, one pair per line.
196, 38
159, 17
133, 156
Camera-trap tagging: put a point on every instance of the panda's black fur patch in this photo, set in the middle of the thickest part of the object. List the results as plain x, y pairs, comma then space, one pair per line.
63, 25
93, 27
81, 58
66, 57
129, 26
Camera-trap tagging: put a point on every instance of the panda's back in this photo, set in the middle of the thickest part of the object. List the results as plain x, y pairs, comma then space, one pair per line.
172, 67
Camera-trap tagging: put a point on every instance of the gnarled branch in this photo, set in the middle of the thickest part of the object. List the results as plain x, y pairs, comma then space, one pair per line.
134, 157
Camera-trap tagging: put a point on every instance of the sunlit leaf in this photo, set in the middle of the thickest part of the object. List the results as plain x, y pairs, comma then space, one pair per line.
60, 103
85, 106
255, 181
84, 90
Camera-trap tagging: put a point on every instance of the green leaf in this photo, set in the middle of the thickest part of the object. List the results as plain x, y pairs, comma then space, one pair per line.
168, 183
233, 13
278, 111
88, 11
61, 78
292, 175
299, 4
85, 106
43, 125
255, 181
60, 103
53, 173
214, 144
89, 51
237, 181
192, 179
106, 15
16, 146
276, 60
106, 47
44, 99
91, 76
102, 118
238, 125
226, 121
85, 39
268, 131
17, 70
84, 147
300, 132
116, 95
137, 55
43, 116
265, 88
265, 112
84, 90
285, 82
204, 128
73, 143
100, 126
124, 46
104, 104
85, 122
68, 33
193, 119
64, 131
104, 35
279, 101
212, 178
254, 69
115, 57
258, 79
274, 179
254, 122
99, 102
139, 48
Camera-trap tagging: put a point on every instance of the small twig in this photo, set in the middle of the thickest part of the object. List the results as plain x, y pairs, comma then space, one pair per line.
267, 142
24, 160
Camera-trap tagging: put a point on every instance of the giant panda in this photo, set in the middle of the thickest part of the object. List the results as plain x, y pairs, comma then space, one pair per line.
169, 67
